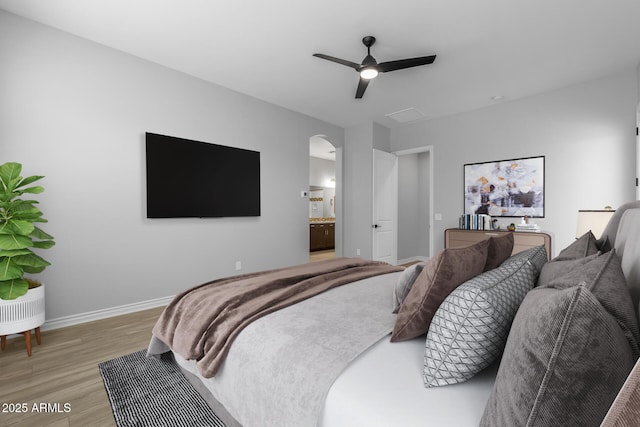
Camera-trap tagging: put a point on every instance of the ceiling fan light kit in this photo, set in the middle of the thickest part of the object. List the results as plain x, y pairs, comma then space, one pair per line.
369, 68
369, 73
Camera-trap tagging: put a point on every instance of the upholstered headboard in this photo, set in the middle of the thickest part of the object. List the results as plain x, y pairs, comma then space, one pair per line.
611, 230
627, 245
625, 410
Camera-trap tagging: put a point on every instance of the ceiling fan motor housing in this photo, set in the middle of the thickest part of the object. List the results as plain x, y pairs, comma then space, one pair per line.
368, 41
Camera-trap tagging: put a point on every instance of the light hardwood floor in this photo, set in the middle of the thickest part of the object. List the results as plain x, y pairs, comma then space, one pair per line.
64, 370
322, 255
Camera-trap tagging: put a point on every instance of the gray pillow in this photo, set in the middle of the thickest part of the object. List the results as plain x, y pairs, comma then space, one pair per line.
554, 268
404, 284
441, 274
583, 246
536, 255
499, 249
604, 244
470, 328
603, 276
564, 362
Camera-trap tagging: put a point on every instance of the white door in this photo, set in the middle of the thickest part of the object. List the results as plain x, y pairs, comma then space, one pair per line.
385, 207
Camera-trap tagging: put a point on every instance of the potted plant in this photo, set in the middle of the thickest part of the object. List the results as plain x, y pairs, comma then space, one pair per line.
21, 299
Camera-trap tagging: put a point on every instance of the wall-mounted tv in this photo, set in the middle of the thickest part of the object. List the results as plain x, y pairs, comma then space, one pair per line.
188, 178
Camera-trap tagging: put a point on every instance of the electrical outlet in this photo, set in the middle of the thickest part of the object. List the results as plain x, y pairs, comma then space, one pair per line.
358, 251
304, 194
438, 217
238, 265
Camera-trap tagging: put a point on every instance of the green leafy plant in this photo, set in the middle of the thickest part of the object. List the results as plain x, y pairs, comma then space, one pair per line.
18, 232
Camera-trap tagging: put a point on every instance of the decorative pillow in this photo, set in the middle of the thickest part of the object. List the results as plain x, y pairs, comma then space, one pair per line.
554, 268
404, 284
604, 244
603, 276
469, 330
536, 255
440, 275
584, 246
564, 362
499, 249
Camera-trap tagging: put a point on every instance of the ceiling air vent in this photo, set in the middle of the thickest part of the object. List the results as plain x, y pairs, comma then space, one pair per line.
406, 116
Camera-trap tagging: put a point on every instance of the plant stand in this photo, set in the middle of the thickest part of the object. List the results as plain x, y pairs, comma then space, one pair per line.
21, 315
27, 339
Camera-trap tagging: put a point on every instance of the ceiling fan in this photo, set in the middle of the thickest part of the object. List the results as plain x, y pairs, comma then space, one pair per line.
370, 68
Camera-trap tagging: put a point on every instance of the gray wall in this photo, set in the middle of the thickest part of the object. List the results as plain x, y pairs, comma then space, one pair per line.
357, 186
586, 132
424, 226
408, 206
413, 206
76, 112
321, 171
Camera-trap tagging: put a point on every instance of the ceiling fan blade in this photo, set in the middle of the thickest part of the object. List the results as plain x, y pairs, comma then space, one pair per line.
338, 60
405, 63
362, 86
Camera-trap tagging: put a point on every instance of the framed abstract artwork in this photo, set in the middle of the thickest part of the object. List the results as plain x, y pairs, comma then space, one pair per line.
507, 188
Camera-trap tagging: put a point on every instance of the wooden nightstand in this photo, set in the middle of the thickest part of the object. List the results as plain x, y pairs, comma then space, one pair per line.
522, 240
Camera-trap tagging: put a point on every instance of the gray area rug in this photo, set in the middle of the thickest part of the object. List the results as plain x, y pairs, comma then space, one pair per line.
153, 392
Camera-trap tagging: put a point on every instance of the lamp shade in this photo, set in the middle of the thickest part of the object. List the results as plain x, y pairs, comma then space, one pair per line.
594, 220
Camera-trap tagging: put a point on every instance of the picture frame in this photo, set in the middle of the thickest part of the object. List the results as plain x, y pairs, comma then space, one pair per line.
505, 188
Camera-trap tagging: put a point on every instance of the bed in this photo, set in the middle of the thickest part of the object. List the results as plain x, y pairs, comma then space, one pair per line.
357, 353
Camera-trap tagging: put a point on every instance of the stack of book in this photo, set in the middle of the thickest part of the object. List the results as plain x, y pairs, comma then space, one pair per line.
527, 227
475, 222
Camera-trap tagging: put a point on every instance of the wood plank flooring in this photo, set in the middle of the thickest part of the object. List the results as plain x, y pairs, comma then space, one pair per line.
322, 255
64, 370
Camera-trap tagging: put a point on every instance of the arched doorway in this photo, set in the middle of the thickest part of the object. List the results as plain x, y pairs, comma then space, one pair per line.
322, 199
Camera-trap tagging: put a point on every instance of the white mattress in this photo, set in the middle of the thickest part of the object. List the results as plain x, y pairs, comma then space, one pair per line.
383, 387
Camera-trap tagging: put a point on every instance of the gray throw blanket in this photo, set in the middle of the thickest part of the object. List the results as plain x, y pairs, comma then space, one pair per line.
202, 323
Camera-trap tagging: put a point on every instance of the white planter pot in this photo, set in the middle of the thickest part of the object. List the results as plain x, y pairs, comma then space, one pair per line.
23, 313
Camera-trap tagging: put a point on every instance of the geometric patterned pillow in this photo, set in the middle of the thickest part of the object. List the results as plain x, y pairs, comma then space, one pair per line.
537, 255
470, 328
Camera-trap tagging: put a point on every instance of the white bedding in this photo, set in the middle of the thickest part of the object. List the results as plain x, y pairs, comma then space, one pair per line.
383, 387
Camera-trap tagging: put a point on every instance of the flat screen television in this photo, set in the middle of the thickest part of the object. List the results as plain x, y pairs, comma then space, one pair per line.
188, 178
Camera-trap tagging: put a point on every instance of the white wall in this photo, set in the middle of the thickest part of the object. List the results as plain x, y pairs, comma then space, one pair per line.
586, 132
76, 112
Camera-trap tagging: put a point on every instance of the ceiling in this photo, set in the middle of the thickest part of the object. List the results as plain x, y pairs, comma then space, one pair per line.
487, 51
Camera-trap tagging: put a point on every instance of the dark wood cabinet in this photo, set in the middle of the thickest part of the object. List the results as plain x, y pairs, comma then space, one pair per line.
322, 236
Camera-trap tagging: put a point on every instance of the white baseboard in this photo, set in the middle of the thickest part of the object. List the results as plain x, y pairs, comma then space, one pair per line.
413, 259
76, 319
